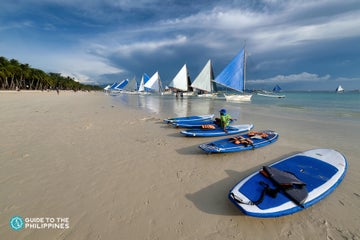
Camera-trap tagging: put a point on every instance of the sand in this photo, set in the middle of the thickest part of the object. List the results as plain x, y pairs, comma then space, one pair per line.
119, 173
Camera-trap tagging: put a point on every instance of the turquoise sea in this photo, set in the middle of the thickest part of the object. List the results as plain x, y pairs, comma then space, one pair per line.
320, 105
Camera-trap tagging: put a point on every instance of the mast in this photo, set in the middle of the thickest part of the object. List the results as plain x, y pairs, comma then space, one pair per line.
244, 69
160, 84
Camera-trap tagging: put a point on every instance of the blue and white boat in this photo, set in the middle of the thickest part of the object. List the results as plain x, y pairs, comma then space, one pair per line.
291, 184
204, 82
189, 118
217, 131
195, 124
234, 77
154, 83
144, 79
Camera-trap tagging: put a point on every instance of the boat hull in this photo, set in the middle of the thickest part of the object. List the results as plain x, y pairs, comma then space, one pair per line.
238, 98
271, 95
189, 118
217, 132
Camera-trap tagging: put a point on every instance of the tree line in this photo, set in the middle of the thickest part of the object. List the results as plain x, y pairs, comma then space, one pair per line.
16, 76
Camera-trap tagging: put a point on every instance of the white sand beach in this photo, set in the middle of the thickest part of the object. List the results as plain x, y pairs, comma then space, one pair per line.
120, 173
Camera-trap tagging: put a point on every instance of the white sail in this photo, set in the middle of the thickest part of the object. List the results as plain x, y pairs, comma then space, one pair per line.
131, 86
141, 86
144, 80
154, 83
180, 81
339, 89
203, 81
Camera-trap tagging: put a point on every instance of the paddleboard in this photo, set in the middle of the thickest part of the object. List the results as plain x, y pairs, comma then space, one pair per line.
235, 144
194, 124
290, 185
189, 118
234, 129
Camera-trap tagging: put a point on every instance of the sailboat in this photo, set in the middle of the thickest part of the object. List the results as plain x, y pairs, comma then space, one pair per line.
108, 88
119, 87
204, 81
270, 94
234, 77
277, 88
339, 89
142, 90
154, 83
273, 94
181, 82
131, 87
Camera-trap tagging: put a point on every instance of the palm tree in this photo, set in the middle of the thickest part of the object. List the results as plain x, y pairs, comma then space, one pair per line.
14, 74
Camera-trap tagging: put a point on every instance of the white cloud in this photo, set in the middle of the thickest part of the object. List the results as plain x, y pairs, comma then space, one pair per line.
291, 34
85, 68
291, 24
110, 46
151, 46
301, 77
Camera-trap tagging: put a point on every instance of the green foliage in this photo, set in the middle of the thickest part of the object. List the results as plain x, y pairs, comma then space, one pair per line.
15, 75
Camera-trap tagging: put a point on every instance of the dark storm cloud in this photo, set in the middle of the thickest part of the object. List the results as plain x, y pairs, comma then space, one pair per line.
103, 41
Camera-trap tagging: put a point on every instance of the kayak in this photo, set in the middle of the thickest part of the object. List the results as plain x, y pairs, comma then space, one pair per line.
189, 118
195, 124
217, 132
249, 141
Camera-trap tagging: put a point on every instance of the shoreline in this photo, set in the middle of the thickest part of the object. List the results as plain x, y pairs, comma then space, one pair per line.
113, 170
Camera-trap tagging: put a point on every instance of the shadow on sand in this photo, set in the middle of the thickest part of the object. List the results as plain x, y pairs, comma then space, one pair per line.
176, 134
191, 150
213, 199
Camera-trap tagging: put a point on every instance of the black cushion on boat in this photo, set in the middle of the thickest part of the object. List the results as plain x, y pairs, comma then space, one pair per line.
292, 187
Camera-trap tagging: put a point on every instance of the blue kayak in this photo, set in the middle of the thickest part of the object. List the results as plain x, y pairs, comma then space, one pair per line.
243, 142
189, 118
217, 132
195, 124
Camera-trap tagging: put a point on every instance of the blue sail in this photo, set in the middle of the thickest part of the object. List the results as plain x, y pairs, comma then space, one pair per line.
146, 78
277, 88
233, 75
113, 85
122, 84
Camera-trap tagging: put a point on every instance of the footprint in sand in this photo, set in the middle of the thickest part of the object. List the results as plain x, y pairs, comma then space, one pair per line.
147, 119
88, 126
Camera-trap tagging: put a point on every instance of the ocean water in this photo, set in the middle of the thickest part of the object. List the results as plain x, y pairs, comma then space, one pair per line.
328, 103
327, 106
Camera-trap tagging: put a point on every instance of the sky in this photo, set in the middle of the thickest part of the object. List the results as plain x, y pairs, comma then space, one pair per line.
298, 44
